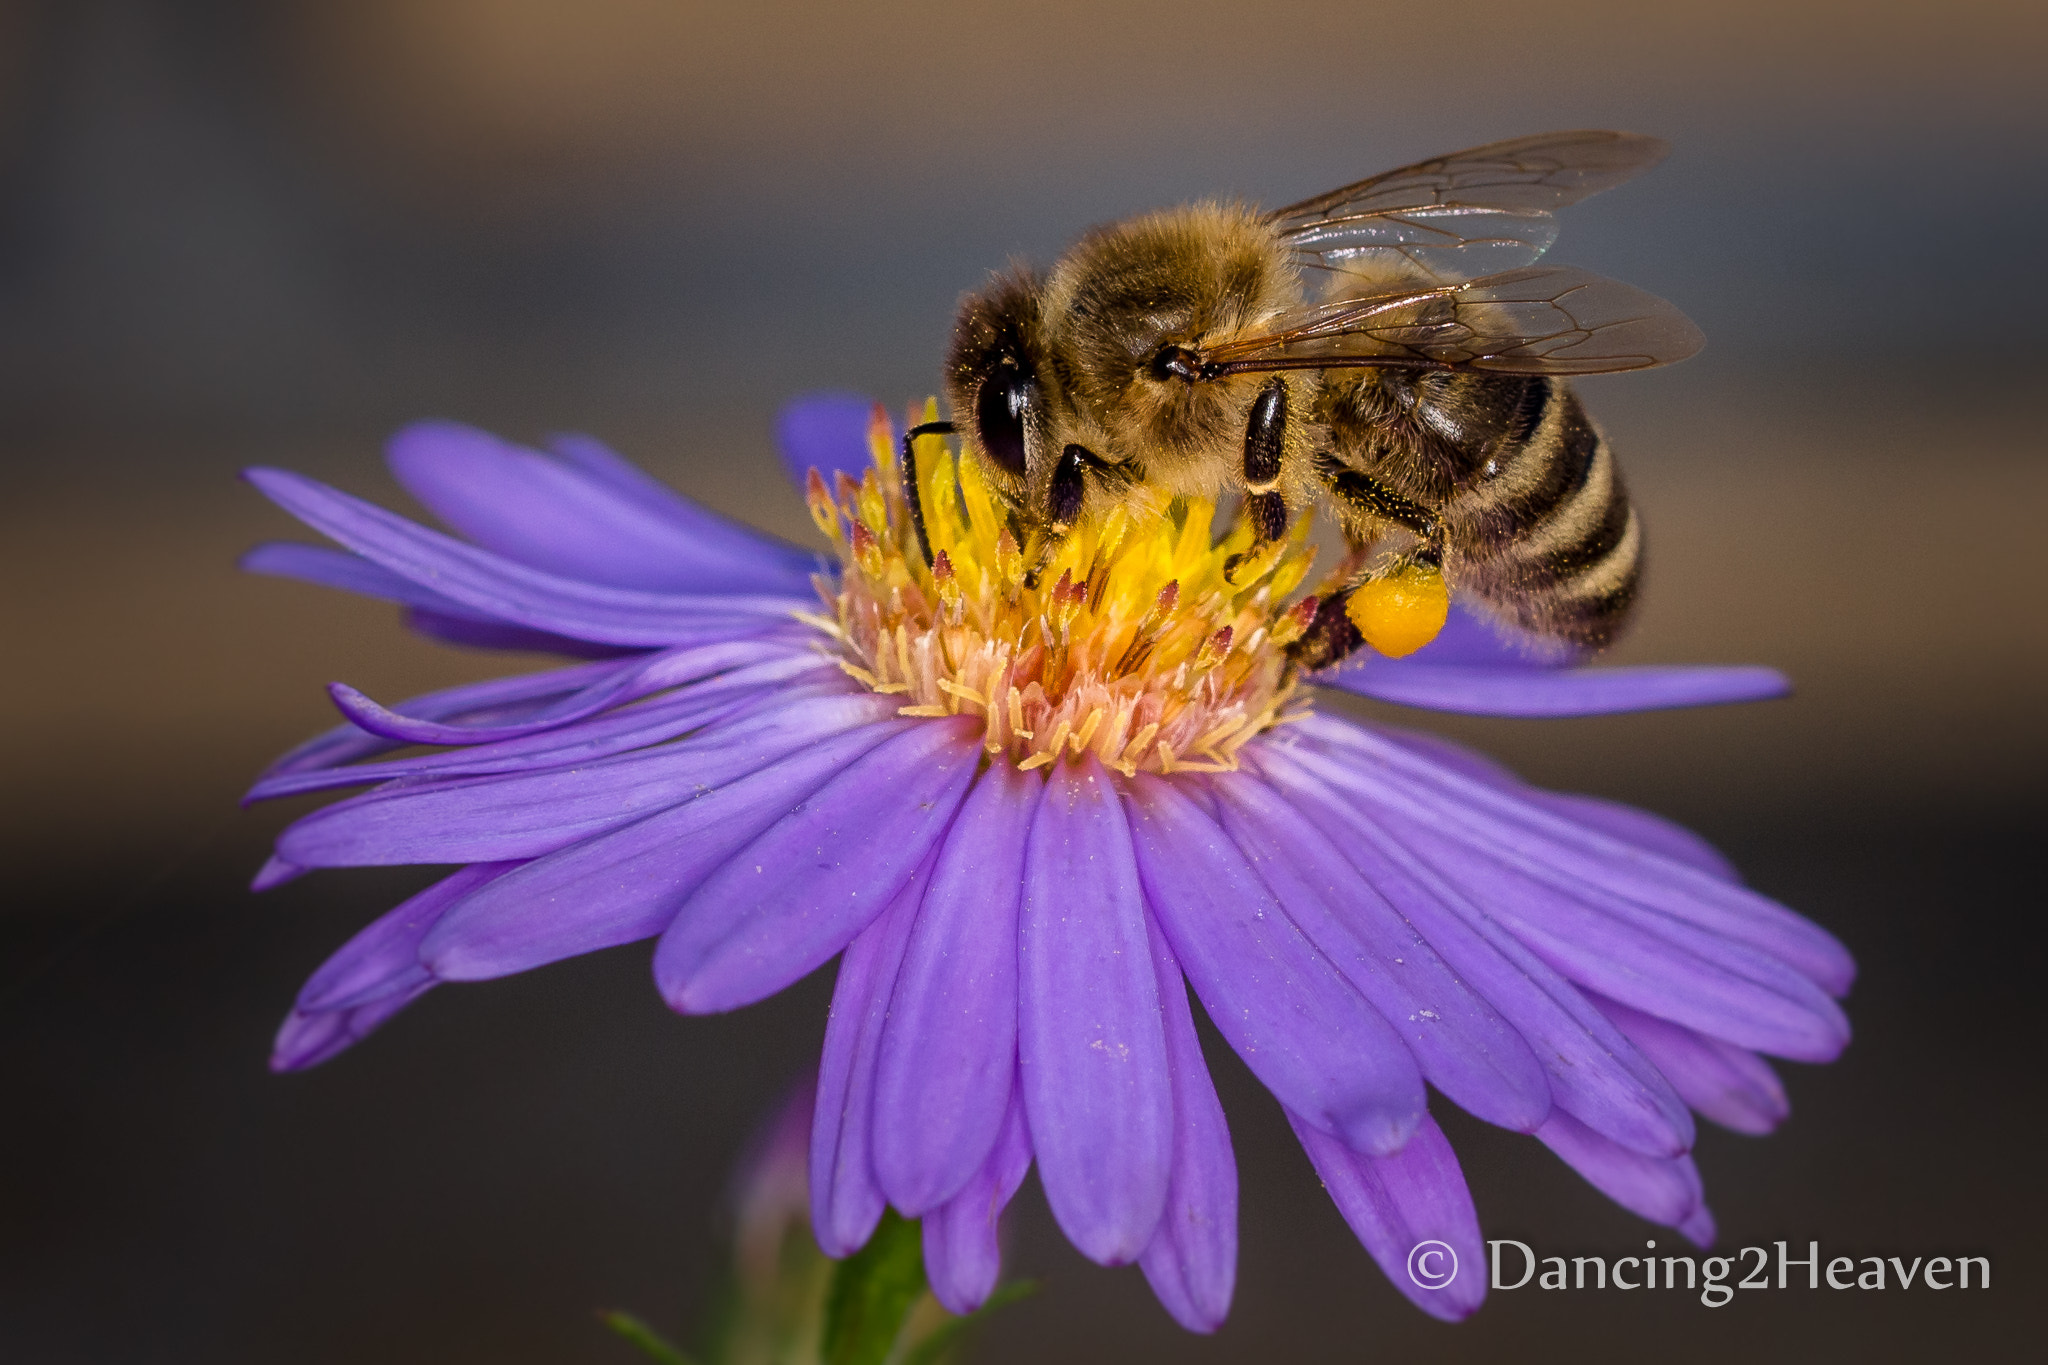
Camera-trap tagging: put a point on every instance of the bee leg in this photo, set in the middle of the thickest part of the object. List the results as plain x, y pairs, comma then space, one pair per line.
911, 496
1063, 503
1332, 636
1265, 438
1368, 497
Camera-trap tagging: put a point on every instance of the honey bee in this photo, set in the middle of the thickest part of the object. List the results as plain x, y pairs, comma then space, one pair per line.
1389, 351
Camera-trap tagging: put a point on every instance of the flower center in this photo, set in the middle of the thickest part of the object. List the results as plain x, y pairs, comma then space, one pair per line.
1129, 642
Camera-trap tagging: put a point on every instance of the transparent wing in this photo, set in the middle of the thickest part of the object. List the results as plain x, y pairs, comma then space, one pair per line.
1544, 320
1464, 215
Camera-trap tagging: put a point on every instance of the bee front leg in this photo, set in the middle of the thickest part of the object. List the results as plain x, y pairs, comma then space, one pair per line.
1265, 439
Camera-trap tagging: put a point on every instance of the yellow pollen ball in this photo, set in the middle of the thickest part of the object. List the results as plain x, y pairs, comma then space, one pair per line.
1401, 613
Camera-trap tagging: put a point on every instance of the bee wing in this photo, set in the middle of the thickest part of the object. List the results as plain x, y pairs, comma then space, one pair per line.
1459, 216
1553, 320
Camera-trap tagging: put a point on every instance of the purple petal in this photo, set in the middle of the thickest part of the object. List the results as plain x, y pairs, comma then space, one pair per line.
385, 956
789, 901
1699, 1227
1639, 956
1663, 1190
310, 1039
469, 631
962, 1256
1090, 1045
827, 432
508, 591
1313, 1040
643, 677
489, 819
517, 695
1191, 1262
1594, 1072
1625, 823
553, 516
846, 1203
948, 1058
328, 567
1516, 691
274, 873
1464, 1048
630, 884
1730, 1085
1469, 640
712, 533
1500, 822
1412, 1212
427, 611
724, 700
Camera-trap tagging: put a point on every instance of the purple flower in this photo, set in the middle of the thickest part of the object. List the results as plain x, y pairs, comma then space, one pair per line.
1031, 818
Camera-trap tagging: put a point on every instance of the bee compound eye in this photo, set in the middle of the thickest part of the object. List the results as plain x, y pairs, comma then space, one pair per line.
999, 417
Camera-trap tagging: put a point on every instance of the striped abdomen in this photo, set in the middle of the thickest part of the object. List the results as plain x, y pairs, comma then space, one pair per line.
1536, 522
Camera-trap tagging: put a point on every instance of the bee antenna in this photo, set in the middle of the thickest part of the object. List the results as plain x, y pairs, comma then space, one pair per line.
911, 495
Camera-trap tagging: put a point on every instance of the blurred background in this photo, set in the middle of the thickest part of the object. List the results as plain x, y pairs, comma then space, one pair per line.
242, 231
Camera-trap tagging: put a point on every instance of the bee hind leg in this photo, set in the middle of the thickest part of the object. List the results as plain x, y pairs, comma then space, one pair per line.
1407, 601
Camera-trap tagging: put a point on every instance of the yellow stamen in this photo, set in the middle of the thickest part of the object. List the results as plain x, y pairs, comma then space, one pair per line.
1132, 644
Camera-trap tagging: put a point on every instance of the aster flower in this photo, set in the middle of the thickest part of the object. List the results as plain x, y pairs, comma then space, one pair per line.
1031, 819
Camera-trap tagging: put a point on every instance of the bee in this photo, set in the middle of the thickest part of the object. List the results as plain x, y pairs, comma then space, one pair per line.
1389, 351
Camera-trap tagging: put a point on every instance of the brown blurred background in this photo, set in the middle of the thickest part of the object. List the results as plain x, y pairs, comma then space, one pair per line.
236, 232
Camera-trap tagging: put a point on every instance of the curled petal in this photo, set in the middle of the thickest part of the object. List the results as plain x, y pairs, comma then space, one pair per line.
519, 695
526, 815
724, 701
644, 677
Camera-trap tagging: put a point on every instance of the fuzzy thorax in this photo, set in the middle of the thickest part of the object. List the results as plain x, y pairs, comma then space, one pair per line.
1133, 646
